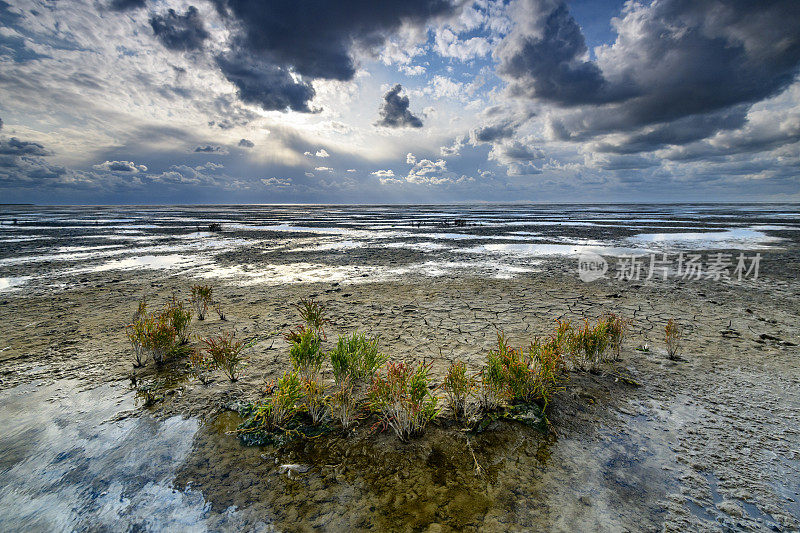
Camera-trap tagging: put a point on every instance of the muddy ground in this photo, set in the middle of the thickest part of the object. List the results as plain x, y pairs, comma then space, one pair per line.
710, 441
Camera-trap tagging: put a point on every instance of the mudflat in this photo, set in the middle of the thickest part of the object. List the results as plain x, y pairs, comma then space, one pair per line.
708, 441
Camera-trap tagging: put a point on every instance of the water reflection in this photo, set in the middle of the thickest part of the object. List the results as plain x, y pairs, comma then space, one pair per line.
74, 460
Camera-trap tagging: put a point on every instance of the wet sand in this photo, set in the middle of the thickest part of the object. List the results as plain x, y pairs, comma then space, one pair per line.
710, 441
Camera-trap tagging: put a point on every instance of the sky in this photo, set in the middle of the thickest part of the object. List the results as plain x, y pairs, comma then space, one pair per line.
419, 101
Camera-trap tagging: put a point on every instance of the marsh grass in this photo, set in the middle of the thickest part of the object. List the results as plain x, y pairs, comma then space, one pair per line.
312, 314
305, 353
226, 353
314, 397
402, 399
343, 403
180, 318
279, 408
587, 345
200, 365
356, 357
459, 386
200, 299
616, 328
673, 336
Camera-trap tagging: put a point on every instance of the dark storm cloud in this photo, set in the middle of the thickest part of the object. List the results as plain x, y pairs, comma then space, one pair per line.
125, 5
394, 111
15, 147
22, 164
315, 38
687, 69
245, 143
494, 132
210, 149
549, 64
265, 84
180, 32
310, 39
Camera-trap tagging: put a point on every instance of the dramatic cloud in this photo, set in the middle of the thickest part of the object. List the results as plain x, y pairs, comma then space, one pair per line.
394, 111
310, 41
265, 84
245, 143
180, 32
701, 63
124, 5
15, 147
211, 149
322, 153
121, 166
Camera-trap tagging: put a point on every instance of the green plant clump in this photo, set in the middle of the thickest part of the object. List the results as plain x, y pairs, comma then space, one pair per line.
458, 386
226, 353
356, 357
200, 299
402, 399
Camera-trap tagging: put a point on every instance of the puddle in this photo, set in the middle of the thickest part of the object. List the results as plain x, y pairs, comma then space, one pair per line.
70, 459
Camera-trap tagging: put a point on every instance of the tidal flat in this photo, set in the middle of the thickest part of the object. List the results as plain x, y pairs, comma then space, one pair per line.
707, 441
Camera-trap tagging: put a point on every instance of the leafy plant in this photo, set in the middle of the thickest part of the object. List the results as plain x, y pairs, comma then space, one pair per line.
305, 353
314, 397
587, 345
673, 334
356, 358
180, 318
403, 400
458, 386
616, 327
160, 337
200, 365
343, 403
200, 299
137, 336
312, 314
226, 353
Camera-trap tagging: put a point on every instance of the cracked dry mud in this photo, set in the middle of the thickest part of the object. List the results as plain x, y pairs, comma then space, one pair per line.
709, 441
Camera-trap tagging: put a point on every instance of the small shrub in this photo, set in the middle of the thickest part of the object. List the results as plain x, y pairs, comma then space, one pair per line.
546, 361
587, 346
403, 400
226, 353
305, 353
137, 335
673, 334
458, 386
201, 298
180, 318
312, 313
160, 337
200, 365
314, 397
343, 403
220, 312
493, 390
616, 327
512, 375
282, 406
356, 358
